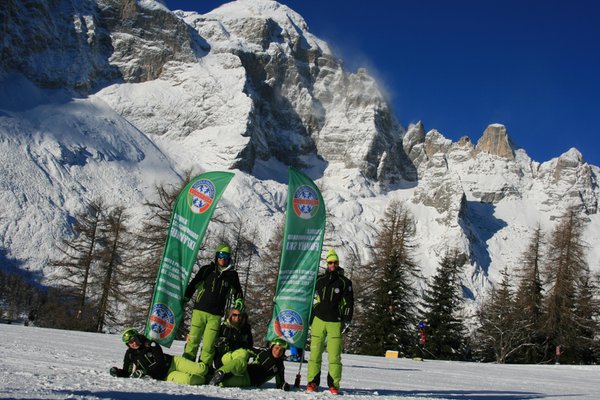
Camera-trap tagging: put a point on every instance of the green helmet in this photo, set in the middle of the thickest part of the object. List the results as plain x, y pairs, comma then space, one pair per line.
280, 342
223, 248
129, 334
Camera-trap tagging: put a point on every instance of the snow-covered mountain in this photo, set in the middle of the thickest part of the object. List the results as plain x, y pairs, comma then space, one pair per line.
107, 97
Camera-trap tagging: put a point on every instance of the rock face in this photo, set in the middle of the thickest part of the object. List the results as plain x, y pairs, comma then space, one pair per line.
493, 171
144, 39
85, 44
569, 178
297, 86
57, 44
495, 141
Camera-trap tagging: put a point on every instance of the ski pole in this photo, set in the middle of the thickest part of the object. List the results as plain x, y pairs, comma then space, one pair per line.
430, 353
298, 376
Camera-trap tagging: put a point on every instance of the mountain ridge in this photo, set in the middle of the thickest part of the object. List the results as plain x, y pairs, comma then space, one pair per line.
246, 87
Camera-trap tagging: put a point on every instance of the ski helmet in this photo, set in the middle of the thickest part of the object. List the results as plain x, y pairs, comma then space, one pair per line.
223, 248
281, 343
129, 334
332, 256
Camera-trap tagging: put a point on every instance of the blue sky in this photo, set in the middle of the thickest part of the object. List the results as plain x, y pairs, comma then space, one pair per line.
461, 65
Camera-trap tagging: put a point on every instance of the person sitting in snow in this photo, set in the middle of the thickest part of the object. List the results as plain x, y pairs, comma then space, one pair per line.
238, 371
145, 357
235, 333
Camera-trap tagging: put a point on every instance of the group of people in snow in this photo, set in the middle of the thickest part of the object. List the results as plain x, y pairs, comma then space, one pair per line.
227, 356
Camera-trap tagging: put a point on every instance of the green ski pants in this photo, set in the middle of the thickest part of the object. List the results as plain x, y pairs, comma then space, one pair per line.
236, 364
186, 372
330, 332
204, 327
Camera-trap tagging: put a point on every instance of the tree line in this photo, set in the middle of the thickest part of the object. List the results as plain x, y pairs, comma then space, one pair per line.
104, 274
548, 312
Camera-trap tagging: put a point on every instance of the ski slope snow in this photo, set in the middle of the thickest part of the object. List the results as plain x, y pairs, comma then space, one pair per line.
38, 363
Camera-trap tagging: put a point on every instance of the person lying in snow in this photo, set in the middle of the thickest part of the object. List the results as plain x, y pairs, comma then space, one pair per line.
145, 357
267, 363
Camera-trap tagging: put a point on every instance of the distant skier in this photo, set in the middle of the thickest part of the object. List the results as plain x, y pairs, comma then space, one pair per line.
213, 284
422, 339
332, 313
145, 357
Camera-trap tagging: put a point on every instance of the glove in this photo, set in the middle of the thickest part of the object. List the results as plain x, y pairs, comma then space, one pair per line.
239, 304
114, 371
285, 387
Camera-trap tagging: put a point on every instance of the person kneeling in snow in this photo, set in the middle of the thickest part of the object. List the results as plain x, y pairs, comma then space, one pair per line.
267, 363
145, 357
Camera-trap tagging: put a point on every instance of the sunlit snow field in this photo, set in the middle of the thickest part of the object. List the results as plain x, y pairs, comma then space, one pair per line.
37, 363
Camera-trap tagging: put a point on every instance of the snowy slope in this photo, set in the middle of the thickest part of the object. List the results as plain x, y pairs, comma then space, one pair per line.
57, 152
52, 364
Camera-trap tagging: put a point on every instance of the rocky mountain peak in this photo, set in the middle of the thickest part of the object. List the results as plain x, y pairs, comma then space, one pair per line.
495, 141
298, 87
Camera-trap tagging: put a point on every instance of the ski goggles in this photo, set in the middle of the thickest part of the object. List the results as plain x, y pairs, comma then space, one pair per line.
223, 255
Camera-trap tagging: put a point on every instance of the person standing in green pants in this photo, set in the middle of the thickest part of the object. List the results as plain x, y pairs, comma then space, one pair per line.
331, 316
213, 284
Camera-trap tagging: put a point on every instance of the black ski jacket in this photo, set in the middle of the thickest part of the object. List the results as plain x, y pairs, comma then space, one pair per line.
264, 367
148, 358
231, 339
213, 287
334, 298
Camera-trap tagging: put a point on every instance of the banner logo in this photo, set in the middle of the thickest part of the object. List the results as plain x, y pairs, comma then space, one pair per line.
162, 321
288, 324
201, 196
306, 202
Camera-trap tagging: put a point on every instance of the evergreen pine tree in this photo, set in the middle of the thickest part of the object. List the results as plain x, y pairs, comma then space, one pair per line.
442, 303
387, 317
587, 313
501, 329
